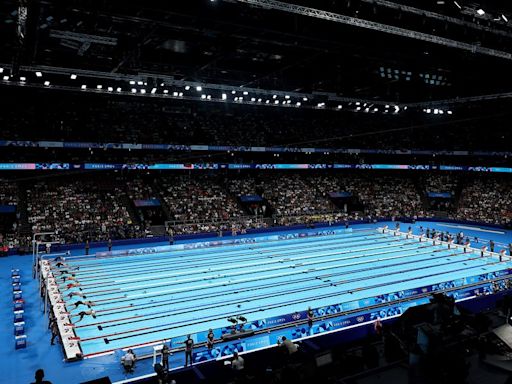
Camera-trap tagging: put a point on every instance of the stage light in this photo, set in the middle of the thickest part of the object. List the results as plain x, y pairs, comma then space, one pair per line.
267, 102
480, 11
428, 110
276, 102
241, 98
397, 108
6, 78
162, 84
132, 82
203, 96
358, 103
175, 94
298, 104
288, 101
284, 102
449, 112
505, 19
153, 91
99, 86
140, 82
134, 90
233, 92
38, 74
199, 88
259, 100
274, 96
73, 77
246, 93
2, 70
387, 105
166, 91
436, 111
253, 99
47, 83
340, 106
84, 86
304, 99
236, 99
209, 97
110, 89
224, 96
286, 96
187, 87
143, 91
180, 94
375, 109
118, 89
358, 108
23, 78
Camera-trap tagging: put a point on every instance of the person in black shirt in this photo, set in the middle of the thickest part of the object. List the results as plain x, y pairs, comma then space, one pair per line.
189, 345
165, 357
39, 376
210, 340
491, 245
87, 247
109, 244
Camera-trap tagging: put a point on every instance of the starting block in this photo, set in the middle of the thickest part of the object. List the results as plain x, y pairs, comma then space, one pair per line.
16, 287
18, 316
17, 296
15, 273
19, 329
19, 305
16, 280
20, 342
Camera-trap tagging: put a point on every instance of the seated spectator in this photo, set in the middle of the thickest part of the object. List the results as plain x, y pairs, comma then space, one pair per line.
39, 376
128, 361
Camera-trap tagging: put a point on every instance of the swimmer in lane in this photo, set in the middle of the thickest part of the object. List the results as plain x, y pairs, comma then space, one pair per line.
82, 314
77, 293
85, 302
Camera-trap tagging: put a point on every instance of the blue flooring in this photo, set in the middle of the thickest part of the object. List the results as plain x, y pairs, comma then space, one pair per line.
19, 366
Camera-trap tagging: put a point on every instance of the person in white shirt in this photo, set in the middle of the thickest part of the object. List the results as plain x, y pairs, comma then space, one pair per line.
237, 363
128, 360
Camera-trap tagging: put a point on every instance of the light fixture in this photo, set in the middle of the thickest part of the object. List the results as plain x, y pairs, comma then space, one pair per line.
224, 96
286, 96
143, 91
38, 74
209, 97
2, 70
259, 100
340, 106
110, 89
99, 86
175, 94
480, 11
132, 82
73, 76
187, 87
166, 91
246, 93
84, 86
304, 99
298, 104
47, 83
253, 99
162, 84
134, 90
267, 102
276, 102
236, 99
23, 78
428, 110
505, 19
140, 82
203, 96
153, 91
199, 88
436, 111
180, 94
233, 92
6, 78
274, 96
449, 112
118, 89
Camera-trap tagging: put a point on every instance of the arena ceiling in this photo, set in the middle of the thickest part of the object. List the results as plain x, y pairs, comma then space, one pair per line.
241, 43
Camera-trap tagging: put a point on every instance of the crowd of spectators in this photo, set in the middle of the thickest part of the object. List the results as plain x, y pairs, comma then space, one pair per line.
79, 211
97, 210
486, 200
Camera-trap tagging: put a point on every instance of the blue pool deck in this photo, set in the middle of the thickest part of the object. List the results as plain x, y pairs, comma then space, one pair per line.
147, 298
